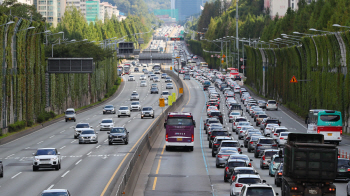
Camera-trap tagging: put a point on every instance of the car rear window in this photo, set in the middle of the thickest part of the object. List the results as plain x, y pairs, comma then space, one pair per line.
219, 133
266, 191
240, 120
278, 159
243, 171
249, 180
271, 102
270, 153
263, 116
236, 164
281, 130
215, 113
272, 121
267, 141
230, 144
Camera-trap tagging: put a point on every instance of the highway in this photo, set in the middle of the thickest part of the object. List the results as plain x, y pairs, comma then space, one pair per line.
87, 169
180, 172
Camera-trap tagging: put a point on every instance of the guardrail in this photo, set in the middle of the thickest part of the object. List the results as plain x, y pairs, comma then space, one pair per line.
134, 166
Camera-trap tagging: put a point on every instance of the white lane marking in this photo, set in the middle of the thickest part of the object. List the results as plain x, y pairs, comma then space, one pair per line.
52, 136
73, 141
98, 146
89, 153
62, 131
50, 187
62, 147
40, 142
105, 140
87, 118
78, 162
65, 174
94, 115
16, 175
27, 148
9, 156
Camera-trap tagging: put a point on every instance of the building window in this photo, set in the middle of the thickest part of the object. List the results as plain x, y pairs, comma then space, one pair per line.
50, 7
42, 7
293, 6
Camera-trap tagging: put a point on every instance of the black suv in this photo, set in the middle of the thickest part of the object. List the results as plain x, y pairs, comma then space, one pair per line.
1, 170
217, 132
272, 121
237, 77
216, 114
118, 135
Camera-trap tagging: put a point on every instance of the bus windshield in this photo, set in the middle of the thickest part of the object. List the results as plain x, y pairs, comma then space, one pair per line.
180, 121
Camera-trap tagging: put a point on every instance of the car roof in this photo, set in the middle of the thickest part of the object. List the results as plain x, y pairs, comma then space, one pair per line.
240, 155
107, 119
235, 160
248, 176
46, 148
223, 137
271, 150
55, 190
70, 109
245, 168
230, 140
258, 185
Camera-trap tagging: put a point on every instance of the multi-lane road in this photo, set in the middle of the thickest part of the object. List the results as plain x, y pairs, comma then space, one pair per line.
194, 173
87, 169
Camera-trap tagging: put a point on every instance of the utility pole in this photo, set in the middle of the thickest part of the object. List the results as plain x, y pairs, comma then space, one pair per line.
237, 43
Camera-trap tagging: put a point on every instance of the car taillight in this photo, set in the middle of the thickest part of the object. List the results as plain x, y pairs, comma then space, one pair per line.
250, 164
208, 105
216, 105
219, 156
281, 138
241, 131
318, 131
275, 145
239, 150
263, 157
216, 144
280, 173
238, 185
231, 116
348, 169
251, 142
341, 132
192, 137
166, 137
259, 145
233, 178
227, 169
212, 136
276, 134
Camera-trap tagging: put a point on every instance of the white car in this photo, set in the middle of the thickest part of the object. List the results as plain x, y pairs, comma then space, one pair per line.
79, 127
46, 158
271, 105
241, 179
135, 105
210, 108
131, 78
134, 96
275, 132
168, 79
165, 94
282, 138
106, 124
233, 115
124, 111
156, 79
267, 189
143, 77
237, 89
143, 83
268, 129
169, 86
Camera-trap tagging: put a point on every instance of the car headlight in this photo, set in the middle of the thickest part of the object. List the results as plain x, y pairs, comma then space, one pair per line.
36, 159
113, 109
104, 110
93, 137
54, 159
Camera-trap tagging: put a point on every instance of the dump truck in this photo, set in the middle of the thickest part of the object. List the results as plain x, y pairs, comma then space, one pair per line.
309, 167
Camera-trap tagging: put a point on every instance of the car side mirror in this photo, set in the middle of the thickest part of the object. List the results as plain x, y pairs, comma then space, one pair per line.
256, 172
33, 154
164, 125
91, 127
194, 123
128, 132
240, 152
276, 193
108, 132
264, 181
241, 146
251, 159
59, 153
230, 134
274, 168
96, 132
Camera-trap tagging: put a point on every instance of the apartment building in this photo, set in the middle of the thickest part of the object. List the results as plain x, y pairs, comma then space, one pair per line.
280, 7
52, 10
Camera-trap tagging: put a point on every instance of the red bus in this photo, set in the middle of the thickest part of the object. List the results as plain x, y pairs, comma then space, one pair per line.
179, 130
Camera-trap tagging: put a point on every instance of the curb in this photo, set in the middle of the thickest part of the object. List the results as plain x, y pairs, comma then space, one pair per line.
46, 124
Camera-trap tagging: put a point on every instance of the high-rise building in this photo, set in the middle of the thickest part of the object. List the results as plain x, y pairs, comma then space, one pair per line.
280, 7
92, 11
52, 10
188, 8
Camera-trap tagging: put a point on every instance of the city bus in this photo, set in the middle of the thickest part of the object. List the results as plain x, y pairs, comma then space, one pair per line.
233, 71
179, 130
326, 122
120, 70
203, 65
126, 69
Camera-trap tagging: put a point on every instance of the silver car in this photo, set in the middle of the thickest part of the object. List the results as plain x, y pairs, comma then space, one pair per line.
79, 127
134, 96
143, 77
135, 105
156, 79
266, 157
223, 154
147, 112
143, 83
169, 86
106, 124
241, 131
88, 136
168, 79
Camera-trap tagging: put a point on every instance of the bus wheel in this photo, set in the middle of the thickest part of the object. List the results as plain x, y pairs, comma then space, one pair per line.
190, 148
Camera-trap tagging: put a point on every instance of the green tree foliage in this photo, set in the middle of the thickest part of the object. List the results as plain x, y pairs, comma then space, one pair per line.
12, 7
157, 4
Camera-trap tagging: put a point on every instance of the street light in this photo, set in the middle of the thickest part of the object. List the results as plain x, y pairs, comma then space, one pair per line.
338, 25
8, 23
295, 32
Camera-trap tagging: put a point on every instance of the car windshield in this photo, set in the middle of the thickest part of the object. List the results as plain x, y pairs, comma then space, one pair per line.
180, 121
245, 171
134, 94
143, 76
118, 130
154, 88
69, 112
260, 191
124, 108
267, 141
169, 84
143, 81
229, 144
82, 126
147, 109
236, 164
88, 132
135, 103
55, 194
278, 159
107, 121
108, 106
249, 180
165, 93
46, 152
343, 162
228, 151
235, 113
219, 133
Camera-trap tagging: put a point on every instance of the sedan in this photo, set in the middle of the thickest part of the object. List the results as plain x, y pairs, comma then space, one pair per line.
106, 124
156, 79
88, 136
147, 112
118, 135
124, 111
134, 96
168, 79
169, 86
142, 77
109, 109
154, 90
223, 154
143, 83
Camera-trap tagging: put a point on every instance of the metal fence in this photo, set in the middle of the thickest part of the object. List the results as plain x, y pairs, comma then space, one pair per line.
146, 142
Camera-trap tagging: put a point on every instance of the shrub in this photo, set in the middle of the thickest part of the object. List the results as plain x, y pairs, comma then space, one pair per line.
30, 123
17, 126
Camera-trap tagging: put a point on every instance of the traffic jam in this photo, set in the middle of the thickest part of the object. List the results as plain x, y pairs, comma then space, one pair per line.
266, 139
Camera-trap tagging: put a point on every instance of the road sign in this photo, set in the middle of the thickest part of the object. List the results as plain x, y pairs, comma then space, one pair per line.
222, 61
241, 59
170, 101
293, 80
171, 68
223, 56
212, 56
218, 56
181, 90
161, 102
242, 67
177, 57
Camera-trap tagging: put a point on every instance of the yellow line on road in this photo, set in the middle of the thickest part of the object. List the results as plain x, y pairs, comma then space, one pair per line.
155, 179
116, 171
189, 96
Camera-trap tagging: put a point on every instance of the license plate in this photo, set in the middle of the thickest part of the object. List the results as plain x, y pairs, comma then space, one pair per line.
313, 192
179, 139
341, 170
70, 118
329, 134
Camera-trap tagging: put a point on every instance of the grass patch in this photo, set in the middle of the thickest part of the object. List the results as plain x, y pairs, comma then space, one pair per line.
18, 128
